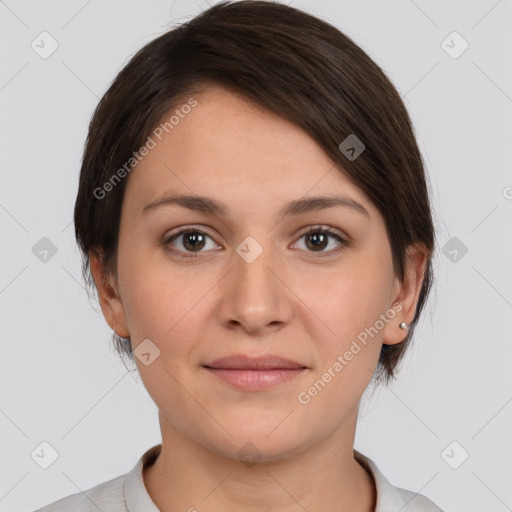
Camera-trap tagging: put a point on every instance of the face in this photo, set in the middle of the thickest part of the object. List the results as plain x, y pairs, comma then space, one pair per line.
196, 284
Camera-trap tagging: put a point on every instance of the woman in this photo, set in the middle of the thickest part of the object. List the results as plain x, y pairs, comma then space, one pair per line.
253, 212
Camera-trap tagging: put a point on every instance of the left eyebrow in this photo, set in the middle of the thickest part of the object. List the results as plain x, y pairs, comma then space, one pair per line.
293, 208
311, 204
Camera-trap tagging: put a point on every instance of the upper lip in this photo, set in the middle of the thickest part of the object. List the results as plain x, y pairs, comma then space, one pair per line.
242, 362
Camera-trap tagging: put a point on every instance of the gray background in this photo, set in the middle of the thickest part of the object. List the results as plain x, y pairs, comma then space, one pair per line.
61, 381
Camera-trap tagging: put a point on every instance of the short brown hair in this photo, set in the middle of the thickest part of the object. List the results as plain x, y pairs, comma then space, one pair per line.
293, 64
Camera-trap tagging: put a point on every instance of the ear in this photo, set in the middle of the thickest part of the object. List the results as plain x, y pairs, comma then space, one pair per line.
110, 302
406, 293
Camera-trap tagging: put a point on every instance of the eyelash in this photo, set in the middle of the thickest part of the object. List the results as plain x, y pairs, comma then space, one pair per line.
314, 229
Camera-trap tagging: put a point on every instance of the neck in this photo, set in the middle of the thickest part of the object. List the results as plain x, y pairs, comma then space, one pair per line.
324, 476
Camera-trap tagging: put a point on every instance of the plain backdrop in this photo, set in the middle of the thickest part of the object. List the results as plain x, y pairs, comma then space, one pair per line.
443, 429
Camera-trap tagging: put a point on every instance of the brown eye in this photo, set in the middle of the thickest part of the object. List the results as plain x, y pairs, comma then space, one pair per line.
318, 239
193, 241
189, 243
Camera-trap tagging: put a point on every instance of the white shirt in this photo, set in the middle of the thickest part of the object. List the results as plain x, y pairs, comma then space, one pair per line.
127, 493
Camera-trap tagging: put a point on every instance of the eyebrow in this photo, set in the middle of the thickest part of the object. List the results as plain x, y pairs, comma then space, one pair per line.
293, 208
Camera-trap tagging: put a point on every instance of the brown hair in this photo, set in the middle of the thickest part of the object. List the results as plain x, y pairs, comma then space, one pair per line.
293, 64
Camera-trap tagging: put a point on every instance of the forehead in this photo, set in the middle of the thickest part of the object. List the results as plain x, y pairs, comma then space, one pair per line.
232, 149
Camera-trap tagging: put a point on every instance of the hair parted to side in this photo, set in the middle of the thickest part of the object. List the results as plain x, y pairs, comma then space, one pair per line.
293, 64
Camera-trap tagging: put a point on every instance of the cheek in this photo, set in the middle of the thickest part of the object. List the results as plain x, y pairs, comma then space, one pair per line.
347, 335
163, 303
348, 351
351, 301
146, 293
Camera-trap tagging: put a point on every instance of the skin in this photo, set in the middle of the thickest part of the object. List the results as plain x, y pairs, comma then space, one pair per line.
294, 301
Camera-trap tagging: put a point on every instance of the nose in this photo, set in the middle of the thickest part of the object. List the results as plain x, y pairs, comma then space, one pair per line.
255, 296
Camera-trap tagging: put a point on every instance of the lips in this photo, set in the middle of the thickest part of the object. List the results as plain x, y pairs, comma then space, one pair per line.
252, 374
242, 362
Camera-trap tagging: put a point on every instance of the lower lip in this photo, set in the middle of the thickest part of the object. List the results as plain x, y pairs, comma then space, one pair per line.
255, 380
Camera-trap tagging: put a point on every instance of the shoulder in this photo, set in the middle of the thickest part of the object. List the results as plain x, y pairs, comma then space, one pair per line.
408, 501
391, 498
121, 494
105, 496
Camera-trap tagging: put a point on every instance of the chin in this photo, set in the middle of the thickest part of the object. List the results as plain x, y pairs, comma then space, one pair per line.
256, 442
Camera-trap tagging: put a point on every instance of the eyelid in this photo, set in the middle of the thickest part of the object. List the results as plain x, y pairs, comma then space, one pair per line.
322, 227
179, 230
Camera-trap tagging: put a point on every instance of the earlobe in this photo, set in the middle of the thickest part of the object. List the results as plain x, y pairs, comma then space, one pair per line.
396, 330
108, 295
407, 294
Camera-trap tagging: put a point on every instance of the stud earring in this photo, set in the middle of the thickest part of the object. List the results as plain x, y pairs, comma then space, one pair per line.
403, 325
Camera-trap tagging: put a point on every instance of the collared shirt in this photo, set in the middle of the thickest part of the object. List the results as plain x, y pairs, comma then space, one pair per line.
127, 493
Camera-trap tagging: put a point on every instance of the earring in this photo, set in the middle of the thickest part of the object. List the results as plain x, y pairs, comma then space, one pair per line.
403, 325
